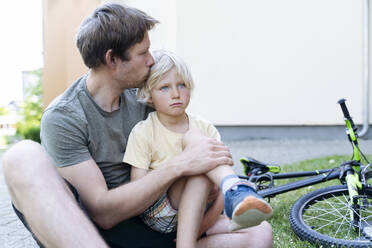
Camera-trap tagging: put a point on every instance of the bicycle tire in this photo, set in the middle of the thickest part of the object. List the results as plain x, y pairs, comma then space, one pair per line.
323, 216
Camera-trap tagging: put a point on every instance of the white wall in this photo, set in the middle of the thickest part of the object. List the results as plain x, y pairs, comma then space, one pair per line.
266, 62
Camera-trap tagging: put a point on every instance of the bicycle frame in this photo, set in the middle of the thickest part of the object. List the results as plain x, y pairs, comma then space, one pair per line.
316, 177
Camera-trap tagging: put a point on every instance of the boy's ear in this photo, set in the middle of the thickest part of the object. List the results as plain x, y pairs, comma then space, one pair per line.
150, 100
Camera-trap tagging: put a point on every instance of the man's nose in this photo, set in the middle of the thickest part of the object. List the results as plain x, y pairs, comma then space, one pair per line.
150, 61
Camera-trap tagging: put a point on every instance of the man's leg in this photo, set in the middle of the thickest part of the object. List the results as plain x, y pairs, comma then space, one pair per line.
254, 237
45, 200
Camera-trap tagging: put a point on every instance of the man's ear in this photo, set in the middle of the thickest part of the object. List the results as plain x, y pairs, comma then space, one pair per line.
110, 59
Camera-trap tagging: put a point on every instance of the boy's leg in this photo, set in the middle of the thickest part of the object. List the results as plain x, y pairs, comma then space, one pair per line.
243, 205
254, 237
45, 200
191, 210
175, 192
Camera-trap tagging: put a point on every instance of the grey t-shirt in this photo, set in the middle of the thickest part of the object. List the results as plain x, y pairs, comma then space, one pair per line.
75, 129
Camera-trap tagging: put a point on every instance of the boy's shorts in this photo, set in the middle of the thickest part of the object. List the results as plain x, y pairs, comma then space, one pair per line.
161, 216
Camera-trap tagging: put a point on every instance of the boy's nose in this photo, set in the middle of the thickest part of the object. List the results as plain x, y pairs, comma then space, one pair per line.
175, 93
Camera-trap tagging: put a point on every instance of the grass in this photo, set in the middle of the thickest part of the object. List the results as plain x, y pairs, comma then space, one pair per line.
283, 235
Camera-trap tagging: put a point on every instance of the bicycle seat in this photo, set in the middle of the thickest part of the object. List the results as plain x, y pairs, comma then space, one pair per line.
250, 164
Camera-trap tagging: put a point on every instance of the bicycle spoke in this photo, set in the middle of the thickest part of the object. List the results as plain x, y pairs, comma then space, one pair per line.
348, 231
329, 223
326, 212
343, 220
318, 218
310, 218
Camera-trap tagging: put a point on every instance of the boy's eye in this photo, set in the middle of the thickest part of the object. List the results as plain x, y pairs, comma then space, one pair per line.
164, 88
182, 85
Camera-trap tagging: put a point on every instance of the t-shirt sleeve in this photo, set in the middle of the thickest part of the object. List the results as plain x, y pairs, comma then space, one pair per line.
213, 132
64, 136
138, 150
207, 128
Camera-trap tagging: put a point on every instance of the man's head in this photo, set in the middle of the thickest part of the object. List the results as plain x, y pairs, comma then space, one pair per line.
111, 26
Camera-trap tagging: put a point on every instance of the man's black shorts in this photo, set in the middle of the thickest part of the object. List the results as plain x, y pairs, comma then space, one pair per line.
132, 233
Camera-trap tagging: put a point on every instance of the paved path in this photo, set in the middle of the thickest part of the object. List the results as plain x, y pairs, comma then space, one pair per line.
13, 234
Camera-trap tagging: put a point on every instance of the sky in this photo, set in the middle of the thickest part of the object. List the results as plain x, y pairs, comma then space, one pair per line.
21, 45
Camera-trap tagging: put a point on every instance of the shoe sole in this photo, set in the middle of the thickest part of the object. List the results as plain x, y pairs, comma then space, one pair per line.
250, 212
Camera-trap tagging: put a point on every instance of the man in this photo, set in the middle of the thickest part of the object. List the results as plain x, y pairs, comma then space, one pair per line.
84, 133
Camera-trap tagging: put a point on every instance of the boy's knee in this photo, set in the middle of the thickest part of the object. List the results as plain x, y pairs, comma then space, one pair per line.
202, 181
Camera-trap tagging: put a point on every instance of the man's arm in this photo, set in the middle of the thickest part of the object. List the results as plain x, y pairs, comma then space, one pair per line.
137, 173
109, 207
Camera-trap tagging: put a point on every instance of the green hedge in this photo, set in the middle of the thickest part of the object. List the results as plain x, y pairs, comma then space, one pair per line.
30, 131
31, 110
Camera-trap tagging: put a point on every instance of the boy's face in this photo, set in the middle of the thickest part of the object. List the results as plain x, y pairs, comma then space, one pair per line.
170, 96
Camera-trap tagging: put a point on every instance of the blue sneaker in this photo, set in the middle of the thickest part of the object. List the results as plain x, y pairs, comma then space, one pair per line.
245, 207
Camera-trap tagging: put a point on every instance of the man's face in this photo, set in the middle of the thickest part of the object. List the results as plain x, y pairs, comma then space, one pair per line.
134, 72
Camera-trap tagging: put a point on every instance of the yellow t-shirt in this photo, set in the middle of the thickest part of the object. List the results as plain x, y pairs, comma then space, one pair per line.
150, 143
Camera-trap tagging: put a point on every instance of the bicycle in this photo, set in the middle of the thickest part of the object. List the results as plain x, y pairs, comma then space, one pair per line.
335, 216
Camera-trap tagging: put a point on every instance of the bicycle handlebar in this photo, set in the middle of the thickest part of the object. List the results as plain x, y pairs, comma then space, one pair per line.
346, 111
344, 108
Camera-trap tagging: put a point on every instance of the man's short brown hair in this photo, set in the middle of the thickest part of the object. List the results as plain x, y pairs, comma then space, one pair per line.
111, 26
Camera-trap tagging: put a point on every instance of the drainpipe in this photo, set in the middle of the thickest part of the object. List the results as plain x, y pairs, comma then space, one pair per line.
366, 70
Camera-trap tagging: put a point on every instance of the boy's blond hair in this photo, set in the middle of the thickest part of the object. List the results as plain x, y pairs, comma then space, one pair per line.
164, 62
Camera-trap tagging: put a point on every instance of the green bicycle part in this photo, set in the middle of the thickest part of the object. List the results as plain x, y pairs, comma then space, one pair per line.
271, 168
353, 183
274, 168
318, 172
242, 161
351, 131
354, 142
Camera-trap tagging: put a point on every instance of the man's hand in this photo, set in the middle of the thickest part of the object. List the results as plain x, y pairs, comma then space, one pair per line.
201, 154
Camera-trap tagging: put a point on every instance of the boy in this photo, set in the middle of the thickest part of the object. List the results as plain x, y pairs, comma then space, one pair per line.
160, 137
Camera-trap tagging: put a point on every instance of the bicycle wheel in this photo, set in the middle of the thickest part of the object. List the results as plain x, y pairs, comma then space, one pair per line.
322, 217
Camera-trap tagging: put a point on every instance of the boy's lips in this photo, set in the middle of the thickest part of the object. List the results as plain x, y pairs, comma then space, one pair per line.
176, 104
